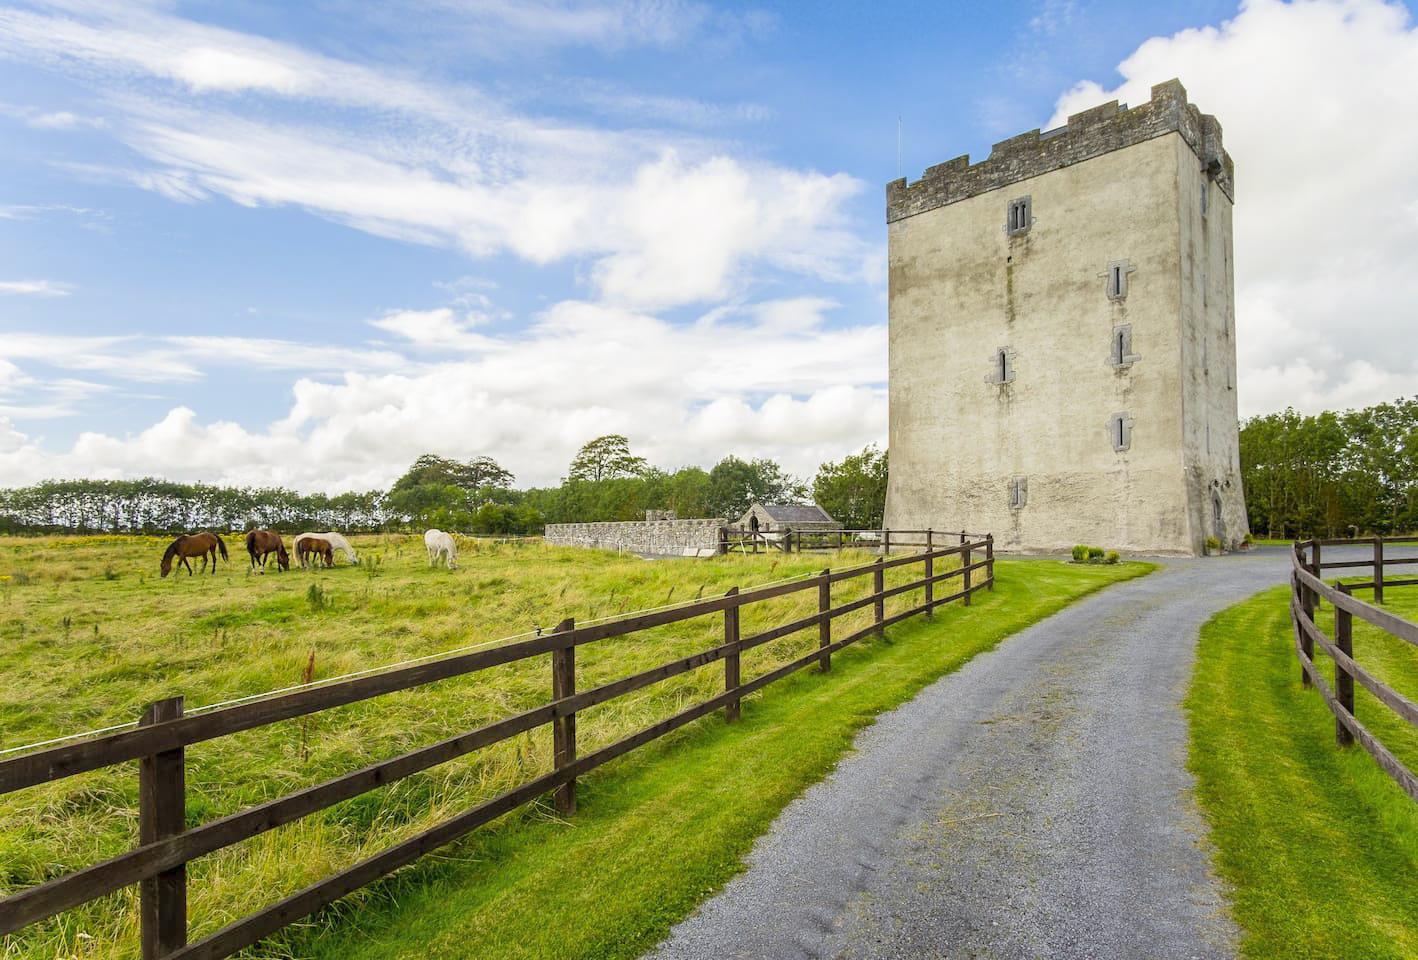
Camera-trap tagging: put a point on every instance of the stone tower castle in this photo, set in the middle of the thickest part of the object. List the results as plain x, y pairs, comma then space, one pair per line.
1062, 337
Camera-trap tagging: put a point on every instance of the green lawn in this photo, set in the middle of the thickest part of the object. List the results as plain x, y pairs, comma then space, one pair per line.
1319, 846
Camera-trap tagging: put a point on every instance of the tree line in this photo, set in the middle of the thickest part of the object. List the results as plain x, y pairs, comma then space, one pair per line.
1332, 474
604, 481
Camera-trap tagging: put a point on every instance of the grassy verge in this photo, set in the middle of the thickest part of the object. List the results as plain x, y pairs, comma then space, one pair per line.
1319, 846
662, 830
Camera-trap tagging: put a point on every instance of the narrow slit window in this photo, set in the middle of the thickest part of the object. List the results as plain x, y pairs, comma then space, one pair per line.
1204, 192
1120, 431
1003, 369
1117, 279
1120, 349
1018, 493
1019, 217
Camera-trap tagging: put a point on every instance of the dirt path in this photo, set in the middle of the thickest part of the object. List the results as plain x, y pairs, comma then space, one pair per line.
1035, 803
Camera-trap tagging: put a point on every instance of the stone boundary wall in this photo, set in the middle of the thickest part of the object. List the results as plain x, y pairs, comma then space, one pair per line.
1089, 134
661, 538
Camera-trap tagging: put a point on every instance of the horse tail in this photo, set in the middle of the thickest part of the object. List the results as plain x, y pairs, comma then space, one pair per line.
221, 545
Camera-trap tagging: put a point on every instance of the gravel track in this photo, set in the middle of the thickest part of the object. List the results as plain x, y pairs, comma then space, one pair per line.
1035, 803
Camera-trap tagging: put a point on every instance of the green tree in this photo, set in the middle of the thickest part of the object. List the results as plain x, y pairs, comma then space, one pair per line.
605, 458
854, 491
472, 475
735, 485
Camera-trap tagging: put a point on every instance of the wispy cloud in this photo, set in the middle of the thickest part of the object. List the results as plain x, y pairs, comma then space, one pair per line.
36, 288
664, 219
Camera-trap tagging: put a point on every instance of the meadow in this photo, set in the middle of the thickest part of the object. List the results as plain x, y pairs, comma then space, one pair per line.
91, 634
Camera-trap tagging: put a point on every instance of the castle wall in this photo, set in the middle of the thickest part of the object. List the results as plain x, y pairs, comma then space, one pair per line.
663, 538
1208, 321
963, 288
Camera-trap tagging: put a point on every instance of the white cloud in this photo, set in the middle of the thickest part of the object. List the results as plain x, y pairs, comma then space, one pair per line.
1315, 98
36, 288
663, 219
769, 379
58, 120
440, 329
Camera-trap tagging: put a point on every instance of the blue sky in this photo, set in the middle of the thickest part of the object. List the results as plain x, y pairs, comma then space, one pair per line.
261, 243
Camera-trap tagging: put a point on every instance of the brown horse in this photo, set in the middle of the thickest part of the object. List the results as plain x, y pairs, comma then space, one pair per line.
202, 545
261, 544
307, 547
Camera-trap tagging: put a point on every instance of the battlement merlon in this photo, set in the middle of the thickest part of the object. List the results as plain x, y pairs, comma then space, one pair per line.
1092, 133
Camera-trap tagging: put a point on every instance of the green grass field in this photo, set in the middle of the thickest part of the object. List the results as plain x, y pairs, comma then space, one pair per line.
91, 634
1319, 846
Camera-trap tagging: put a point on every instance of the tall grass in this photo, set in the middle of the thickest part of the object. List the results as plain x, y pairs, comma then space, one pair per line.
92, 635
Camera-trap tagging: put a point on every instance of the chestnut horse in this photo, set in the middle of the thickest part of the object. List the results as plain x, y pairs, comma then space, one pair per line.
336, 542
202, 545
261, 544
307, 548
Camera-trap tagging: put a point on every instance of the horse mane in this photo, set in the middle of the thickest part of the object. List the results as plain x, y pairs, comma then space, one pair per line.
172, 548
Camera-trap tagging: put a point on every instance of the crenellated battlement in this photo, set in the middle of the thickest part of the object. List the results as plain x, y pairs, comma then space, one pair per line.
1091, 133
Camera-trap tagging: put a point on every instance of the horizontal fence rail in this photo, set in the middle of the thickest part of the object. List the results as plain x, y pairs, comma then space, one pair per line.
166, 844
1308, 588
789, 540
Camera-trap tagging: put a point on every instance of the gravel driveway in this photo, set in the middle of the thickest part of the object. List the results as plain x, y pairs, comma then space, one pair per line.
1035, 803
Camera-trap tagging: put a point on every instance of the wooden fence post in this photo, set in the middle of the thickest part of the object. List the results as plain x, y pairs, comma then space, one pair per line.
1307, 611
885, 542
1378, 569
731, 657
1343, 679
563, 728
162, 813
930, 572
990, 562
965, 561
879, 586
824, 624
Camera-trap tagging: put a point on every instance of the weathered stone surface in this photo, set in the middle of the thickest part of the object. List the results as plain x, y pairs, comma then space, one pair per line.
1123, 188
663, 538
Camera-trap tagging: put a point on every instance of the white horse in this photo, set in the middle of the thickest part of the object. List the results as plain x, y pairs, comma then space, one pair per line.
336, 541
440, 544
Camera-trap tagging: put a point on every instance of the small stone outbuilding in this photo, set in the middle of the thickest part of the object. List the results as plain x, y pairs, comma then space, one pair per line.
778, 517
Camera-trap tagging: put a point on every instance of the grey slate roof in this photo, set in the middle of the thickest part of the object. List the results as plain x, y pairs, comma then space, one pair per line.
796, 513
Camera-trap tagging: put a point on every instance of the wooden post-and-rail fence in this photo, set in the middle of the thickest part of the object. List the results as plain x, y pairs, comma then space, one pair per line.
167, 844
1308, 588
883, 540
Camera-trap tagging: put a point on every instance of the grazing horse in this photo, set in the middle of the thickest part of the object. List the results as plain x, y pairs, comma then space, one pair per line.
308, 547
440, 544
261, 544
336, 542
202, 545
